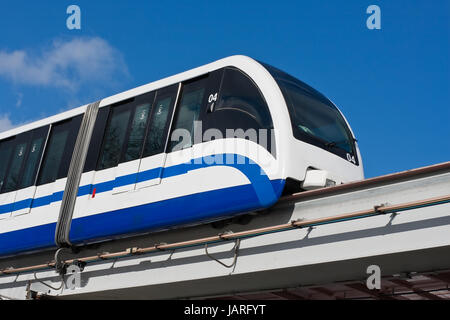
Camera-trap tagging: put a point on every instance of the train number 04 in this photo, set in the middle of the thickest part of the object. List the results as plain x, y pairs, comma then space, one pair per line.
212, 97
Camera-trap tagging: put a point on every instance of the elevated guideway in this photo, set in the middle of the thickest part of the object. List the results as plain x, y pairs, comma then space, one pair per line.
312, 245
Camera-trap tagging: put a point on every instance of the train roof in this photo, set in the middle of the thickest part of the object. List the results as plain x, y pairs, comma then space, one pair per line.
242, 62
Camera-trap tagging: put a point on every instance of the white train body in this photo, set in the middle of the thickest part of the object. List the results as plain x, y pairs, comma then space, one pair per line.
110, 169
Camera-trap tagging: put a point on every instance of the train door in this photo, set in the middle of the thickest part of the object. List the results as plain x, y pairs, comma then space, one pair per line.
55, 165
108, 171
27, 185
120, 152
127, 171
153, 155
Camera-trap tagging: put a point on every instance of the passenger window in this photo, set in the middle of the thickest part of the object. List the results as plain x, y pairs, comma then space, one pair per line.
188, 111
137, 133
20, 160
155, 141
17, 160
241, 110
5, 151
239, 93
59, 151
54, 156
114, 137
34, 157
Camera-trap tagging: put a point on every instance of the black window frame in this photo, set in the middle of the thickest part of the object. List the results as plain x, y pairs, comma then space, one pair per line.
148, 97
127, 105
202, 78
212, 119
282, 77
213, 82
25, 137
36, 133
103, 120
169, 91
96, 139
22, 138
73, 124
10, 141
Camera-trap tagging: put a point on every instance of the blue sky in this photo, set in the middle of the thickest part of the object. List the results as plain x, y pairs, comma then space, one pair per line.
392, 84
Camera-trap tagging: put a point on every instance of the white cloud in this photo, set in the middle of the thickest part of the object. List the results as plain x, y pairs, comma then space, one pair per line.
19, 99
5, 123
66, 64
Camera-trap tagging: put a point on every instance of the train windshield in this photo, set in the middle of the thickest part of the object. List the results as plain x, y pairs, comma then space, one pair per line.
314, 118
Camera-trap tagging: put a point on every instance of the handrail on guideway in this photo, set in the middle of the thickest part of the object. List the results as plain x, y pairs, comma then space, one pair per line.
376, 210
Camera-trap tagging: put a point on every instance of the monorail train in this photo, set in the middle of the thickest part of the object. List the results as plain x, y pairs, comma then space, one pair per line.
223, 139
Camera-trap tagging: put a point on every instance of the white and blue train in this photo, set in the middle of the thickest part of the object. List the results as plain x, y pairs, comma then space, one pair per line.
118, 167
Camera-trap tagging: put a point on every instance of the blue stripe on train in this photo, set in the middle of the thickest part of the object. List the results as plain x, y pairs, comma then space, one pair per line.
261, 193
200, 207
252, 170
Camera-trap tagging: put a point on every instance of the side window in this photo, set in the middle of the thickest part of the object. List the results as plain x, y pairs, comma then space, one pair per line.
5, 151
188, 111
114, 138
242, 109
240, 94
314, 118
96, 139
316, 121
58, 153
160, 121
137, 132
12, 179
34, 157
125, 131
20, 160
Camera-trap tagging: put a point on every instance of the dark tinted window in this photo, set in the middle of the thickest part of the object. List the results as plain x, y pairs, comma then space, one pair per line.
124, 132
96, 139
20, 158
314, 118
5, 156
160, 121
54, 156
242, 109
188, 111
239, 93
34, 157
17, 160
58, 153
137, 132
114, 136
